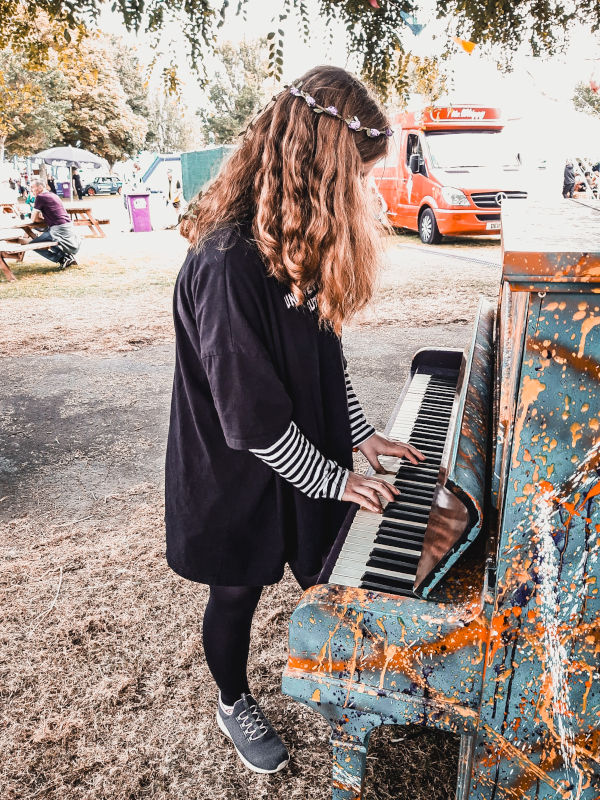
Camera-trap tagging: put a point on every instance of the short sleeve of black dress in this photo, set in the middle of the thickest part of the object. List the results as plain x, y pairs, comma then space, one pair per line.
247, 363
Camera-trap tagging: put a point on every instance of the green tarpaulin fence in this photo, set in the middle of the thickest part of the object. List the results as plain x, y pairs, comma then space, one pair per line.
200, 167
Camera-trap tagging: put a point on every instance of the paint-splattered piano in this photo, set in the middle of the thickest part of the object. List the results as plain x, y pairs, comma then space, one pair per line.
473, 606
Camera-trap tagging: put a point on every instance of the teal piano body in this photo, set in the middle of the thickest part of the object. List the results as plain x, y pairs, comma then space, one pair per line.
473, 606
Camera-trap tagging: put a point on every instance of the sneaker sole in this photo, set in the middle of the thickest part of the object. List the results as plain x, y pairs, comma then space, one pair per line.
245, 761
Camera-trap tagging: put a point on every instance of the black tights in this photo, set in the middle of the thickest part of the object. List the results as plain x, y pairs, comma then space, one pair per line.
226, 635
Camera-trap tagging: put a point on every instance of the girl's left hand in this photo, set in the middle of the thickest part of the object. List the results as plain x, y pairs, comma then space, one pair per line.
378, 445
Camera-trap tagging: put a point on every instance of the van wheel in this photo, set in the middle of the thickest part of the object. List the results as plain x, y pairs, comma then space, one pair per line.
428, 229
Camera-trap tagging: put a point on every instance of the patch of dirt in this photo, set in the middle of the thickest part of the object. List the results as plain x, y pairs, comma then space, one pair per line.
105, 693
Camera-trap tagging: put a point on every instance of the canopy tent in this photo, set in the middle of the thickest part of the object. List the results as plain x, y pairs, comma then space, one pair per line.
69, 157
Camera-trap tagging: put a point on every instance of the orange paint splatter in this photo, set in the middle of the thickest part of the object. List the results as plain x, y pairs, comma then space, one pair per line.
586, 327
530, 391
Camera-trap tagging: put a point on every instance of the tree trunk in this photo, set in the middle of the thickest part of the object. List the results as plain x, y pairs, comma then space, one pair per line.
2, 143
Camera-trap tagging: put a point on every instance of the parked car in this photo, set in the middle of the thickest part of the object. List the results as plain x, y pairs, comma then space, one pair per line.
105, 185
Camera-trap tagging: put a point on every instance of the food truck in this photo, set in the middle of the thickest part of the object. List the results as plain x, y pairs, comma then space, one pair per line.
448, 172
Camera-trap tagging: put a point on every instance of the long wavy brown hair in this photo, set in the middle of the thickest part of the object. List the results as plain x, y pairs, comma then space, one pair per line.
298, 179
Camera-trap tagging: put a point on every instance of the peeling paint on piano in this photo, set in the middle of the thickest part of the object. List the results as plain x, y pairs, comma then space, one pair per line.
513, 666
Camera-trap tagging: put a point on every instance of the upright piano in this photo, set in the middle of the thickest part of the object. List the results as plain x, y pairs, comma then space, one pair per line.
472, 604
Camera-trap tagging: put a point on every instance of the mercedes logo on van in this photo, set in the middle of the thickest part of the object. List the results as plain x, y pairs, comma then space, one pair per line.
501, 197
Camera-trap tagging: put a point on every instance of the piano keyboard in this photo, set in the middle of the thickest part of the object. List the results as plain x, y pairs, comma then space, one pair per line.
383, 553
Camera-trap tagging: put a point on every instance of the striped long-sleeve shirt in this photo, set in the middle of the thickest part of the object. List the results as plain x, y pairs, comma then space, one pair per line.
298, 461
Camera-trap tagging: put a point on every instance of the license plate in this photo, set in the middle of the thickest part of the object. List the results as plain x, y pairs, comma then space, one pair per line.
493, 226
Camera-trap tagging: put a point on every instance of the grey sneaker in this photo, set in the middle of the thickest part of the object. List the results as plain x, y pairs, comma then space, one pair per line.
257, 744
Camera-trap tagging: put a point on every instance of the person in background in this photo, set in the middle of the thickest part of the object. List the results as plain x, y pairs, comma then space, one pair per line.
568, 179
49, 208
77, 184
174, 190
51, 184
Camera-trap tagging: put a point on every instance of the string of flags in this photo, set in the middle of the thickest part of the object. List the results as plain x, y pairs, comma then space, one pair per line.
412, 23
467, 46
410, 20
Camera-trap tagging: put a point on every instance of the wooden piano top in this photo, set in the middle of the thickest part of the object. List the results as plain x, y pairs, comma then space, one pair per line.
551, 242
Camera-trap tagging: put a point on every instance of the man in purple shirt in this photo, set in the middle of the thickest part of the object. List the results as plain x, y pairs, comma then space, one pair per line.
48, 208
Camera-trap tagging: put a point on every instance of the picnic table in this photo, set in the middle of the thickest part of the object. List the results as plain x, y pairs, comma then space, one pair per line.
83, 215
10, 208
80, 215
13, 246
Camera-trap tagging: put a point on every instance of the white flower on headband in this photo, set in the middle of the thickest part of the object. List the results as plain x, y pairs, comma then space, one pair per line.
353, 123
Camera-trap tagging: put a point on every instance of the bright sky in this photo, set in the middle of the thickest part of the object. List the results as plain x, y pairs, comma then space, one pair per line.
536, 96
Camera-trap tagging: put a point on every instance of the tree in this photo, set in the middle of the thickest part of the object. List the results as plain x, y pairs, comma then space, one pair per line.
168, 129
372, 26
236, 92
131, 76
98, 115
586, 99
422, 75
35, 122
18, 96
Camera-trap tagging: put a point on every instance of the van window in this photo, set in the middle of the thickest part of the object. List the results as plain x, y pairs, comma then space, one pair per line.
413, 145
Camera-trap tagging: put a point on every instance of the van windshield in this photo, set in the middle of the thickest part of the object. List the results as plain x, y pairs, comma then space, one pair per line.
471, 149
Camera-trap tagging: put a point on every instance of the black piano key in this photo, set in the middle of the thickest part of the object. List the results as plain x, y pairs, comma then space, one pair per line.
416, 545
392, 564
441, 412
428, 430
422, 470
397, 559
401, 528
379, 587
410, 489
381, 583
392, 526
402, 513
433, 446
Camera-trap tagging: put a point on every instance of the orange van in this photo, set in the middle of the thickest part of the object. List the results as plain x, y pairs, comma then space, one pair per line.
448, 171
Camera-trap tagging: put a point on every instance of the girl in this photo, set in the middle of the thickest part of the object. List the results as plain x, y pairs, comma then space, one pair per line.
284, 248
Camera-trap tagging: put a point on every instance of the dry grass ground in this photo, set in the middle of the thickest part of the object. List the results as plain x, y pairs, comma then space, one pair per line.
104, 690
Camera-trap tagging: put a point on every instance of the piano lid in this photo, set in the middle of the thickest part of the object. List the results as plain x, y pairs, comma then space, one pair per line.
551, 242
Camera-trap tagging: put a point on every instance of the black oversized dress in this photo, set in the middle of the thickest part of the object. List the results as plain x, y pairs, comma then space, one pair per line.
248, 362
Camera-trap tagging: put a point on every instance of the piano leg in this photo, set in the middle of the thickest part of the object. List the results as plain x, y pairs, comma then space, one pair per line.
350, 732
350, 741
465, 766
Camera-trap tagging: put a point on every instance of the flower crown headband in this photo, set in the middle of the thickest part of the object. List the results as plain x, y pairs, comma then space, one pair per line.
353, 123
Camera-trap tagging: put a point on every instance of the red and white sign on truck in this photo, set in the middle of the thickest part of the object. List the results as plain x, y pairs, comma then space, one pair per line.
448, 172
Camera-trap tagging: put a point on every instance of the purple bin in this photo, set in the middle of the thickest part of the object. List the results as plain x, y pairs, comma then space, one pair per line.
66, 190
139, 211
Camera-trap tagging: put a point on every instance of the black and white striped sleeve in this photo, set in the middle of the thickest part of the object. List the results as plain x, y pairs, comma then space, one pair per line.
359, 427
298, 461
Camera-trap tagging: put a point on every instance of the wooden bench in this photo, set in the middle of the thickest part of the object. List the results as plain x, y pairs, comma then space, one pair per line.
17, 250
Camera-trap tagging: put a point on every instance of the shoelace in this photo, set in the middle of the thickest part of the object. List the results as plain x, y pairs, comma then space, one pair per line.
253, 722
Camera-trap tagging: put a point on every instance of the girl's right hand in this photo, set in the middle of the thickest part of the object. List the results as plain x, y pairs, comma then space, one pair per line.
366, 491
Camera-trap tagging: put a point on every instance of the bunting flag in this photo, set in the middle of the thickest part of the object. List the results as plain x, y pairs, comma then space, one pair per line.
412, 23
467, 46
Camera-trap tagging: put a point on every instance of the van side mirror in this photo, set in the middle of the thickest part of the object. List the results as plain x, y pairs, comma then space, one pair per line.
414, 163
